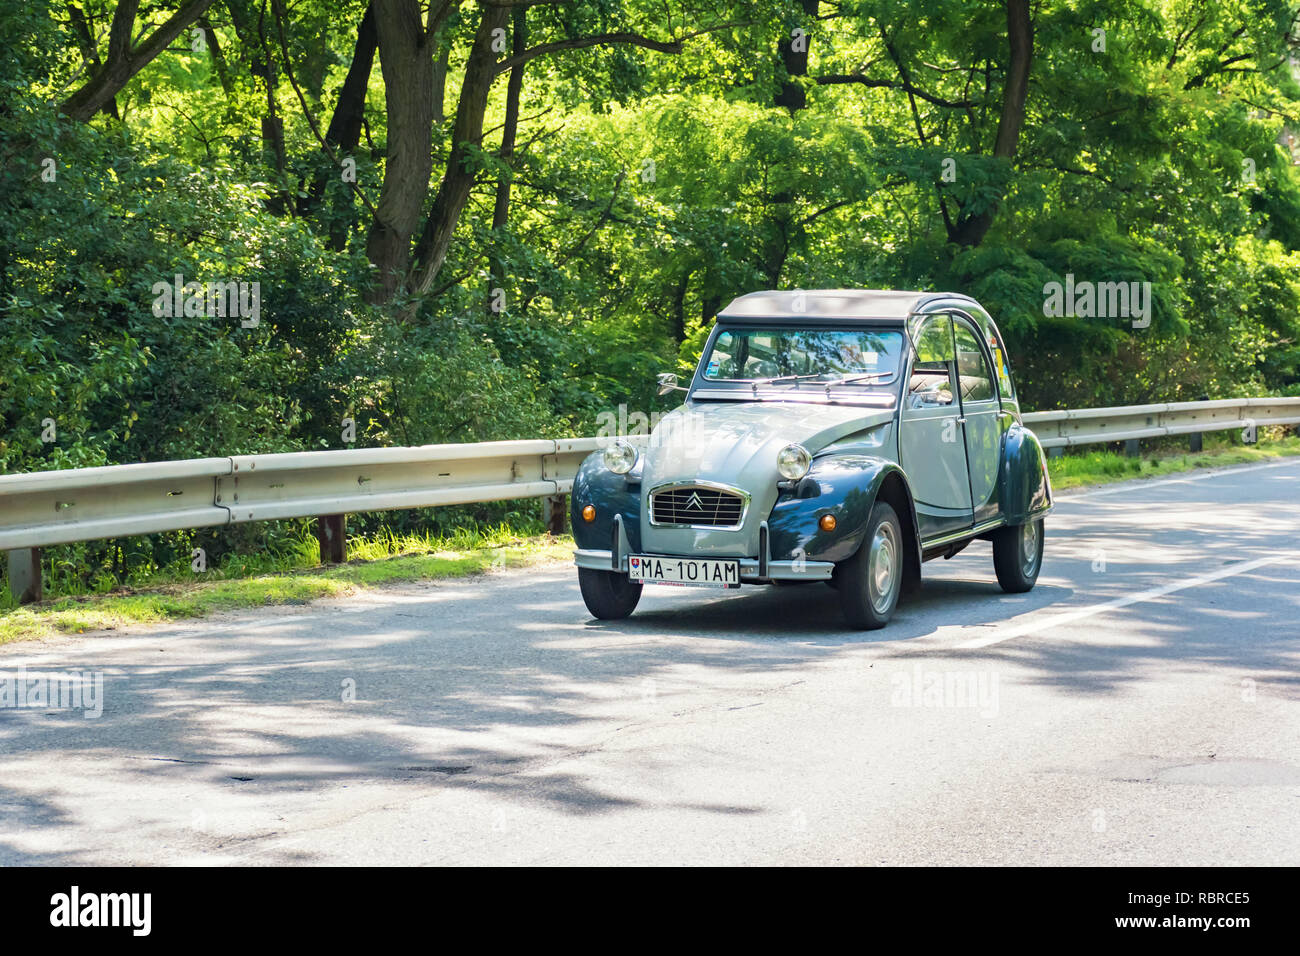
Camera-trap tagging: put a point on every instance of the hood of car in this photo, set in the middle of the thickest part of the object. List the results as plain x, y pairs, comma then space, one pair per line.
736, 443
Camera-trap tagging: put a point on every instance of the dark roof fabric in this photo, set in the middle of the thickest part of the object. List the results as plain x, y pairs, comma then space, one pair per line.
830, 304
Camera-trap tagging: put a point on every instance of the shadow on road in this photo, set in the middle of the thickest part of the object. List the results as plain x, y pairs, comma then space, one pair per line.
487, 684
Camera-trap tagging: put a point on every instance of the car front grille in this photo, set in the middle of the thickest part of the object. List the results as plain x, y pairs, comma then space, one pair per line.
697, 505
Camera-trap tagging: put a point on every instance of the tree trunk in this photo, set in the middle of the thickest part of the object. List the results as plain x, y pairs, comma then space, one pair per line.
344, 133
81, 28
407, 66
440, 66
218, 57
252, 39
792, 95
679, 306
971, 230
467, 132
710, 303
501, 207
125, 60
345, 125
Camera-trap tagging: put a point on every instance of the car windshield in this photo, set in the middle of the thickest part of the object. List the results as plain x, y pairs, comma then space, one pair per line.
789, 357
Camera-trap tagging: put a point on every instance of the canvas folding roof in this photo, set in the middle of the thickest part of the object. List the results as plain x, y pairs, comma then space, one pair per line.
831, 304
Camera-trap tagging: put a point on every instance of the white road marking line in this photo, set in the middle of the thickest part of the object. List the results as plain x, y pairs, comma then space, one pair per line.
1069, 617
1136, 483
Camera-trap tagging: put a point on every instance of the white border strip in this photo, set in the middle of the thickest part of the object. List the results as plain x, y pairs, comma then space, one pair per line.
1069, 617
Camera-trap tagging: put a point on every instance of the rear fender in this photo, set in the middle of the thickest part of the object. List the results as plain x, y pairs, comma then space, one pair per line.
1025, 489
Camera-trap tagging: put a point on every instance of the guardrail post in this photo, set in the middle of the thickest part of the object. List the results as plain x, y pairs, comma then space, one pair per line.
1194, 440
332, 533
1131, 448
25, 575
1057, 452
554, 508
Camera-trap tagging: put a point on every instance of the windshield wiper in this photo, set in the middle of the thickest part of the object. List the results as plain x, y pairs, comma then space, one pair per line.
782, 379
796, 379
860, 378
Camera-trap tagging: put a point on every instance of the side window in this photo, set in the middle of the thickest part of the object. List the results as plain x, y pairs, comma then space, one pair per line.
1000, 366
932, 379
973, 375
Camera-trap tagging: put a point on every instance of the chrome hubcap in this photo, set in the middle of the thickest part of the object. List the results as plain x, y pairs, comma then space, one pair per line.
882, 568
1029, 546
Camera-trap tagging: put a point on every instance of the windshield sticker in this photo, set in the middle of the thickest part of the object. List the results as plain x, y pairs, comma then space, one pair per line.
712, 370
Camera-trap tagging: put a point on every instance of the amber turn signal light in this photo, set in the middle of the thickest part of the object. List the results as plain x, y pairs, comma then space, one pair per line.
588, 513
827, 523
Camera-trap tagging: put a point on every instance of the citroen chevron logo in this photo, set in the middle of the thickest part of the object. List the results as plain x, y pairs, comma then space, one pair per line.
693, 503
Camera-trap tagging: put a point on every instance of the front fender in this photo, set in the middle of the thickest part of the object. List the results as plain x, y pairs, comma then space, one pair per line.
1025, 489
610, 494
845, 486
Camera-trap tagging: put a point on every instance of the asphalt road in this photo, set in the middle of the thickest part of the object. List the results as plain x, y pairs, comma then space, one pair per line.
1140, 706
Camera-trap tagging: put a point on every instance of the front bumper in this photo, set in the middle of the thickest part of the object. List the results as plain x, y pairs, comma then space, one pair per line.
749, 567
755, 570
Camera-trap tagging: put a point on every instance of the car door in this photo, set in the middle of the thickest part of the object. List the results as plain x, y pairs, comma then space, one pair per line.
977, 393
931, 444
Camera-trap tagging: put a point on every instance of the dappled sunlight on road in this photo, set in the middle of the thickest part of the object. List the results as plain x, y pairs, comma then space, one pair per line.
501, 695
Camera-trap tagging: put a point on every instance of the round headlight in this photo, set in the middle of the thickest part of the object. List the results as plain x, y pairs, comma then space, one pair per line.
620, 457
793, 462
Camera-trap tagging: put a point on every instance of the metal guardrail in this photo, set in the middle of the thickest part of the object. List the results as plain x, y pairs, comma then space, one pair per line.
1091, 426
86, 504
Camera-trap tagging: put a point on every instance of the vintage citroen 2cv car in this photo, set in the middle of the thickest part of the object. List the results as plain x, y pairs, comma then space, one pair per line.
844, 436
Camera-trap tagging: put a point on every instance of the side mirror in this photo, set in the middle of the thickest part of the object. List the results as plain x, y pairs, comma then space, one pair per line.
668, 383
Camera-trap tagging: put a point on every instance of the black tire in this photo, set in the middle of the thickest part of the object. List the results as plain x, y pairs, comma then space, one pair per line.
871, 580
608, 595
1018, 555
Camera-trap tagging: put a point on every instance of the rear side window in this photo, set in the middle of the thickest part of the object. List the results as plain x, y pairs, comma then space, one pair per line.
1000, 366
972, 368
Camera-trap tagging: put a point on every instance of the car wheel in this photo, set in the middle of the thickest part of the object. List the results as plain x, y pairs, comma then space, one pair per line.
870, 581
1018, 555
608, 595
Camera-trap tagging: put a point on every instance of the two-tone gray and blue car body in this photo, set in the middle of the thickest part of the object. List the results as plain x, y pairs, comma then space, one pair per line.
844, 436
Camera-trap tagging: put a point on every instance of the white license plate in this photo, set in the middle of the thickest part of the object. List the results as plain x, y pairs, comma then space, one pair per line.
688, 572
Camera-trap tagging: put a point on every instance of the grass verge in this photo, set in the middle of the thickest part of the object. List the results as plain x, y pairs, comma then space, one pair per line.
173, 600
1100, 467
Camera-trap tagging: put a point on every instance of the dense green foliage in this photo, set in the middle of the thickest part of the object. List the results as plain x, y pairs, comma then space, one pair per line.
656, 160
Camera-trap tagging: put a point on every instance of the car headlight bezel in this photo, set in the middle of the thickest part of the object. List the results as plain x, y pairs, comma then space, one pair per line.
793, 461
620, 457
